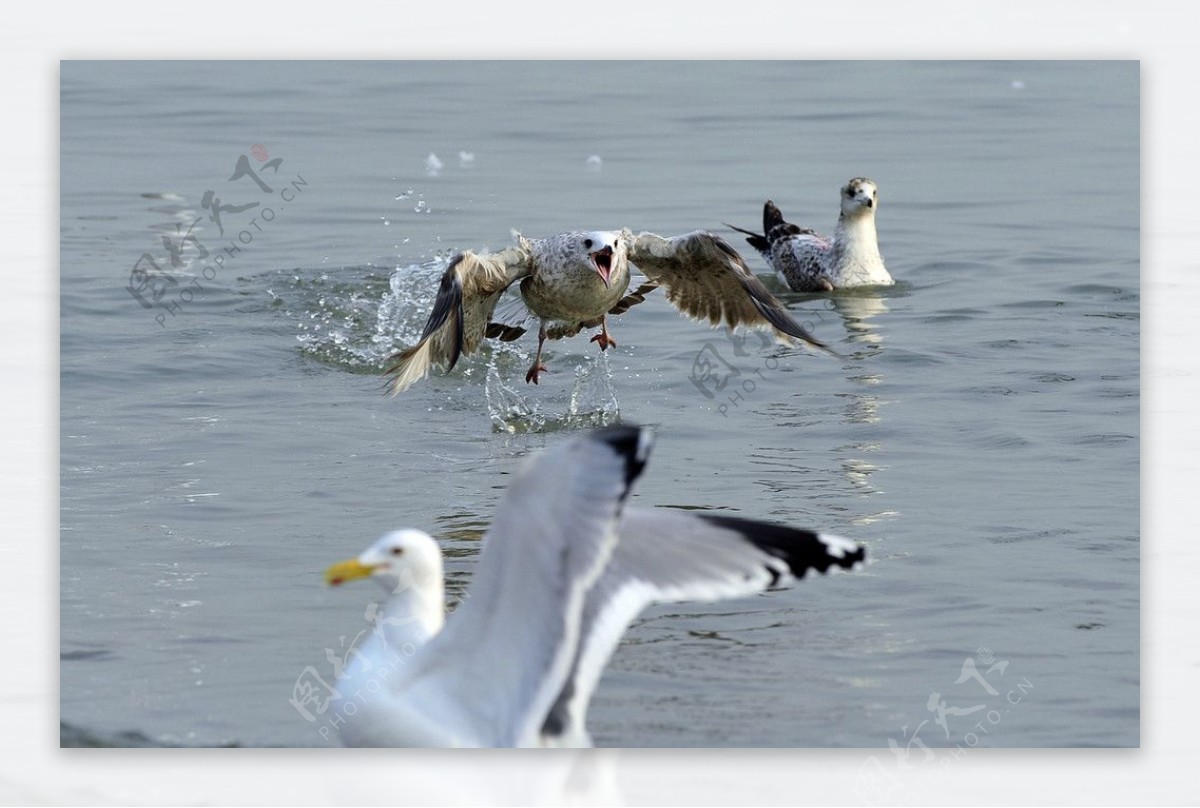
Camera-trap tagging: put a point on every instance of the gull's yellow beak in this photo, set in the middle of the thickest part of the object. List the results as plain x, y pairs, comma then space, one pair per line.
348, 570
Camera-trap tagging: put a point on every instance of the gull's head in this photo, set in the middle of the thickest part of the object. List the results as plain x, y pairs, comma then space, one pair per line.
601, 247
859, 197
400, 558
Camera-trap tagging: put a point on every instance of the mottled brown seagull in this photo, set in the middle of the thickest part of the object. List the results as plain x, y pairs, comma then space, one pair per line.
573, 281
808, 262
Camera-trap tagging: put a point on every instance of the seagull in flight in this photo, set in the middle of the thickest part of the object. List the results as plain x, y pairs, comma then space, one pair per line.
573, 281
809, 262
564, 570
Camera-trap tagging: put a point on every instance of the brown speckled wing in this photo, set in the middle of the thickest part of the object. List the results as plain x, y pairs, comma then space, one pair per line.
470, 288
706, 279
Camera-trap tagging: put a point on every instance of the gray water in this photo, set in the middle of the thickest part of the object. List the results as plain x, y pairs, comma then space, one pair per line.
979, 433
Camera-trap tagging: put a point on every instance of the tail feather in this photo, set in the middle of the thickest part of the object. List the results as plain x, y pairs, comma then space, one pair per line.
504, 332
633, 298
757, 241
772, 217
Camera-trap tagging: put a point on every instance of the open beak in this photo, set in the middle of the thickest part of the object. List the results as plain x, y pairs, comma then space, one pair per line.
349, 570
603, 261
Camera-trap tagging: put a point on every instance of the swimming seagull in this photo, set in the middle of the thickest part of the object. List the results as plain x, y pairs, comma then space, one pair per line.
809, 262
563, 571
573, 281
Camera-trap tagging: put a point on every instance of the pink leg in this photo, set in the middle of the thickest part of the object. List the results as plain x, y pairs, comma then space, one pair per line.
537, 366
603, 338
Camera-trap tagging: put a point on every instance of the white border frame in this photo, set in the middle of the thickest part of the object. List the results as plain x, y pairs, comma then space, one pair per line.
35, 37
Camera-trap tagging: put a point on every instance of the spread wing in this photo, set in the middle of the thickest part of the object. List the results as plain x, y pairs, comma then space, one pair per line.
501, 662
667, 556
706, 279
471, 286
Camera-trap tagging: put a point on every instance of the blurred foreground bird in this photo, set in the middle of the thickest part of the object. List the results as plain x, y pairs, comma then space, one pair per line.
564, 569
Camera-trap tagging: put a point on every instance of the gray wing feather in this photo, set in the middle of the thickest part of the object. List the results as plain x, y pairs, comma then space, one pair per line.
551, 537
667, 556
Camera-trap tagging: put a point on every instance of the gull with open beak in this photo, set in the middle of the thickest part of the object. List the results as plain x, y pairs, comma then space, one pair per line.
573, 281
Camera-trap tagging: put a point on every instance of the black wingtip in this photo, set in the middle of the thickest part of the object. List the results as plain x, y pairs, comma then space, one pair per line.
633, 443
449, 302
758, 242
799, 548
776, 314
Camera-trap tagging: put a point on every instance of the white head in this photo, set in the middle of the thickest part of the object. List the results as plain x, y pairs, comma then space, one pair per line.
859, 197
401, 560
601, 247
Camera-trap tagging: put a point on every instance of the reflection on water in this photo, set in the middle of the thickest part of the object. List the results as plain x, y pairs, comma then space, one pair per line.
857, 308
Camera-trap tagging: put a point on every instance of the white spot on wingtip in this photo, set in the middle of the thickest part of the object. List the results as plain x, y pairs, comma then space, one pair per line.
837, 546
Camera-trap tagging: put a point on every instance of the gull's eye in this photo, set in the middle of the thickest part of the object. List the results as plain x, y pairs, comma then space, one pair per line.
397, 551
587, 243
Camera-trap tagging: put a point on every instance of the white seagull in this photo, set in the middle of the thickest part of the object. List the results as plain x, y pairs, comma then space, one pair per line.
809, 262
562, 573
574, 281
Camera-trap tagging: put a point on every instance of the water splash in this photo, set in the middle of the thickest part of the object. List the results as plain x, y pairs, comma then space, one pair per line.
509, 410
592, 401
594, 398
357, 317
